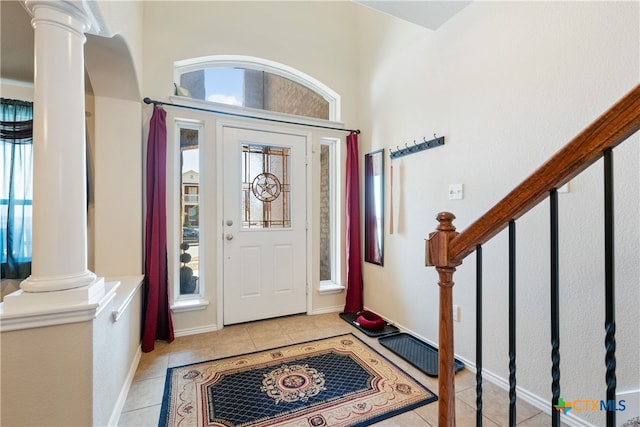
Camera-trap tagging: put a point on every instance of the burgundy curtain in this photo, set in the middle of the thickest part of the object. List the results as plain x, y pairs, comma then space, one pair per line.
354, 255
157, 315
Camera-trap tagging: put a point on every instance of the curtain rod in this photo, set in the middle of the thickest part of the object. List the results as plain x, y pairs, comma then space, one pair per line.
20, 102
151, 101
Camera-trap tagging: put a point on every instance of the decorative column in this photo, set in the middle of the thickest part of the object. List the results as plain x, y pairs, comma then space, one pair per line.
59, 247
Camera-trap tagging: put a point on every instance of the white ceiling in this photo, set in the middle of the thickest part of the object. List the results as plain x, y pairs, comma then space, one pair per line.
430, 14
16, 62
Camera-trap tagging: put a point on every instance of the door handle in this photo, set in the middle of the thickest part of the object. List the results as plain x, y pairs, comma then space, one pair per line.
229, 236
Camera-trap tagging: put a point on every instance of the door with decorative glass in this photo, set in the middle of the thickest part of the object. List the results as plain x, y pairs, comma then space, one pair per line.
264, 222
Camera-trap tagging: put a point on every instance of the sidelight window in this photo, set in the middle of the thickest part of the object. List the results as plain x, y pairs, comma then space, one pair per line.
189, 210
330, 247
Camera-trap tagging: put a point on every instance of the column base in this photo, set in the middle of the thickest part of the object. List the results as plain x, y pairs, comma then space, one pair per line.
20, 302
53, 284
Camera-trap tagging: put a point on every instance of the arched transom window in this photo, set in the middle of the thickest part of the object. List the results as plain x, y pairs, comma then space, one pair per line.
255, 83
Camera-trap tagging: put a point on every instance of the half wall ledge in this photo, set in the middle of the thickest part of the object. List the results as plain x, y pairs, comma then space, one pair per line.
117, 290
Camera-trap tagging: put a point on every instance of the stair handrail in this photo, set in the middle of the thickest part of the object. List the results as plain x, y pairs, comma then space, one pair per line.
609, 130
446, 248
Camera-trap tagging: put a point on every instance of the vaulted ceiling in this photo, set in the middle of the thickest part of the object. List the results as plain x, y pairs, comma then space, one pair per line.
430, 14
16, 37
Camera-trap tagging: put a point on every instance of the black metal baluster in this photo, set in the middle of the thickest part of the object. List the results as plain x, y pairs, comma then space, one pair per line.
512, 323
555, 309
479, 336
610, 318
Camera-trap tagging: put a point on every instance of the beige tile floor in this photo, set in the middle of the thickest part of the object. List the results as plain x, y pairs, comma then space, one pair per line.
142, 407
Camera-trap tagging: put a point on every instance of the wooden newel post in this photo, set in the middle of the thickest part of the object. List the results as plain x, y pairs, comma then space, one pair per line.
437, 254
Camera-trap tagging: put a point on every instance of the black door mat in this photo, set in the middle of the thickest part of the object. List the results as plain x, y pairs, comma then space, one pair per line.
387, 330
420, 354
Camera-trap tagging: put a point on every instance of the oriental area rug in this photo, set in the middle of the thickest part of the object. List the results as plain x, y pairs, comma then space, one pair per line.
338, 381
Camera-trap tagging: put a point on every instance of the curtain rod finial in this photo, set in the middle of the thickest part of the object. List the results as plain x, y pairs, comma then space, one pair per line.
147, 100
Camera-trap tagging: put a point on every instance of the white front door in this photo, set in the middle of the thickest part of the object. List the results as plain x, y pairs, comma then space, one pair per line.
264, 224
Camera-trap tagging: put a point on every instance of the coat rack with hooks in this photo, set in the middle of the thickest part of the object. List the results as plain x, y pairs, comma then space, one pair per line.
417, 147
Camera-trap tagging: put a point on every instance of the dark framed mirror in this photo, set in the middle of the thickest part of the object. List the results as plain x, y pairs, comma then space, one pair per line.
374, 207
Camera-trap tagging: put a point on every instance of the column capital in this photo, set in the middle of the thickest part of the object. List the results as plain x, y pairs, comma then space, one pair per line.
79, 16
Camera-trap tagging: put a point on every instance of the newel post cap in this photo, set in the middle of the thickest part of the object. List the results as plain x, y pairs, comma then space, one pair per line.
437, 245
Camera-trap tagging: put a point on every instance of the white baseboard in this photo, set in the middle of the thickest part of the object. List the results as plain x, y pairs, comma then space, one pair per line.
124, 392
524, 395
534, 400
214, 327
194, 331
327, 310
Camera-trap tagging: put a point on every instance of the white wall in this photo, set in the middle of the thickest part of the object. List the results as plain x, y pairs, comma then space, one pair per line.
316, 38
115, 133
62, 379
116, 345
118, 195
16, 90
507, 84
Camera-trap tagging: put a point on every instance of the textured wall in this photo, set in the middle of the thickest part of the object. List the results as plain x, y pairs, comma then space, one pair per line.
508, 84
49, 374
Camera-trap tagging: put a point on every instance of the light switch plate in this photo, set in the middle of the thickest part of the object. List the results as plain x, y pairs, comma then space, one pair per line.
455, 192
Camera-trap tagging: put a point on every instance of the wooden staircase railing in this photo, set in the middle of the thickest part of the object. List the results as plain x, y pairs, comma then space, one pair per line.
446, 248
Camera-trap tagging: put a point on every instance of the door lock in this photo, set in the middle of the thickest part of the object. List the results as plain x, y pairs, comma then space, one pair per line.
229, 236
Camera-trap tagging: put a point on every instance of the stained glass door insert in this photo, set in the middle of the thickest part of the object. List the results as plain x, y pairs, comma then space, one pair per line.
266, 186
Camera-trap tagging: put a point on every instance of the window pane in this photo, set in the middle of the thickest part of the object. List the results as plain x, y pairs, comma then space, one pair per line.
224, 85
265, 186
325, 214
286, 96
189, 211
255, 89
16, 194
193, 82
